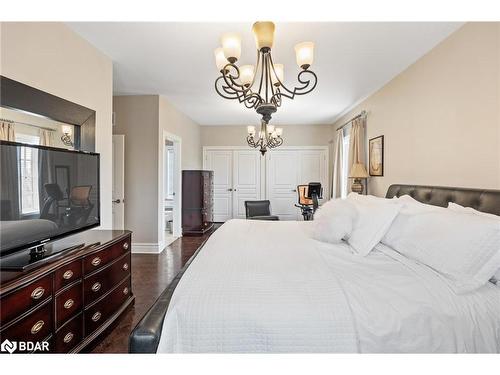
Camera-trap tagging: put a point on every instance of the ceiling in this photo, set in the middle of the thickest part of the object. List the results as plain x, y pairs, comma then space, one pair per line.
352, 60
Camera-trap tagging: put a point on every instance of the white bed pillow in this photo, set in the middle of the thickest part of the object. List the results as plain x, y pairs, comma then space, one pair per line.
412, 202
374, 218
333, 221
464, 248
456, 207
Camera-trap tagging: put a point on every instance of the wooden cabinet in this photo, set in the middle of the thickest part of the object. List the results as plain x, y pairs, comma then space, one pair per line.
71, 300
197, 202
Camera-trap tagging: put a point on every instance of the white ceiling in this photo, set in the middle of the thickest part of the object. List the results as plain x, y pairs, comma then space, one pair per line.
352, 60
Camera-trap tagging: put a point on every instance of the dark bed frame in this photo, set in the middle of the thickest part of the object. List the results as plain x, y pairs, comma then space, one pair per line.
146, 335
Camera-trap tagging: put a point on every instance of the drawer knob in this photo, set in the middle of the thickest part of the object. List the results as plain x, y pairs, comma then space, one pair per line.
96, 261
125, 266
37, 327
96, 287
96, 316
69, 336
125, 290
125, 245
69, 303
37, 293
67, 275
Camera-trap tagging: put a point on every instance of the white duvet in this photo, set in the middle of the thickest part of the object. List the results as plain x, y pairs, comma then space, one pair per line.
261, 286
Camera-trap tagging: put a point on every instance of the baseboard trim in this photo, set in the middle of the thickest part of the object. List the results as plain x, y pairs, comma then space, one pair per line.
146, 248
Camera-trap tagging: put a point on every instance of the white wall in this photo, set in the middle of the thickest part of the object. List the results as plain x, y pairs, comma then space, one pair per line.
441, 116
51, 57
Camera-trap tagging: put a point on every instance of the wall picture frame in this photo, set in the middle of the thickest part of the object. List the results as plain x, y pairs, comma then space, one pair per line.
376, 156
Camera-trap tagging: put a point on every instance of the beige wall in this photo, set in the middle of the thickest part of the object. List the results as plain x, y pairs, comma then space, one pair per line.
175, 122
143, 119
294, 135
137, 118
52, 58
441, 116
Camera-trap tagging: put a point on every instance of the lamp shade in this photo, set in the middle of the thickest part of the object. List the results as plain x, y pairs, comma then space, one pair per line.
246, 74
251, 130
67, 129
220, 59
304, 53
264, 34
358, 170
278, 77
231, 45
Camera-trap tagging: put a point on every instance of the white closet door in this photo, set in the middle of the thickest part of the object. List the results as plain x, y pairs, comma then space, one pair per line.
282, 176
246, 180
220, 161
312, 167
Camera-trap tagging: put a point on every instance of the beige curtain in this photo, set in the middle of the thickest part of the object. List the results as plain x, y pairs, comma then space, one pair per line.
7, 132
357, 144
336, 185
46, 137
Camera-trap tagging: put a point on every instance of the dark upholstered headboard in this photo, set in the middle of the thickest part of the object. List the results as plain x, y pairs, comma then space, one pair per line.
479, 199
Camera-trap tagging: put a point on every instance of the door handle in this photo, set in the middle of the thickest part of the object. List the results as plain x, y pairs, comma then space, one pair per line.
117, 201
229, 189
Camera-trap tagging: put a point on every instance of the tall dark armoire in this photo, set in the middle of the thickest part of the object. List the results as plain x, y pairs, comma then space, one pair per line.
197, 202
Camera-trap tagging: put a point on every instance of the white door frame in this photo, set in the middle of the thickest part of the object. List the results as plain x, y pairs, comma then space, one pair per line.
177, 222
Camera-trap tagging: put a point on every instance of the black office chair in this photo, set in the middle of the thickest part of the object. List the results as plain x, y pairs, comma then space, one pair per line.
259, 210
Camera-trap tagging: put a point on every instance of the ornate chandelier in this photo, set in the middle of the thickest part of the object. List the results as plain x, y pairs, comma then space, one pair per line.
261, 87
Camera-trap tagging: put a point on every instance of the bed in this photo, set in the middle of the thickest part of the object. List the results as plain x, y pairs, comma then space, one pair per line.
268, 287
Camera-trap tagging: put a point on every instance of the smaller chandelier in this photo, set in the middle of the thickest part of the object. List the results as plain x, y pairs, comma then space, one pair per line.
269, 137
261, 87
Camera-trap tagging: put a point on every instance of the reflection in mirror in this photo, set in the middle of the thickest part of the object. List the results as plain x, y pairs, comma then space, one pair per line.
24, 127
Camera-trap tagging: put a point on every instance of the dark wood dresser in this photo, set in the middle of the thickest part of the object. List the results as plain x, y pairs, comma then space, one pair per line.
71, 300
197, 202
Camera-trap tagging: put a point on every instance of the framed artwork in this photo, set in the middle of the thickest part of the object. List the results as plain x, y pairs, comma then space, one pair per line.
376, 156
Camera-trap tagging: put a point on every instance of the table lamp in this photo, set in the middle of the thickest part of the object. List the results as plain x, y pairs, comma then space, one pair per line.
358, 171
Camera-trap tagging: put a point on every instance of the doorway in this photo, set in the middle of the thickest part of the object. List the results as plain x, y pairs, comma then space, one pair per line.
171, 189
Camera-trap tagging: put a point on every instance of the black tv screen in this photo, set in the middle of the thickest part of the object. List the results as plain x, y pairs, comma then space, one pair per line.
45, 193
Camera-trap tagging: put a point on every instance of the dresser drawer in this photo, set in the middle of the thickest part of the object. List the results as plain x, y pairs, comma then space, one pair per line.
69, 335
68, 303
99, 259
25, 298
104, 309
34, 327
100, 283
67, 274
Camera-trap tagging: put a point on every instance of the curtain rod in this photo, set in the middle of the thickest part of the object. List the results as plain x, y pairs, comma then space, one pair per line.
362, 114
25, 123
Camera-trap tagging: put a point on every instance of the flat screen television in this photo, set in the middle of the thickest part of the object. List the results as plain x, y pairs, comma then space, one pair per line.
46, 193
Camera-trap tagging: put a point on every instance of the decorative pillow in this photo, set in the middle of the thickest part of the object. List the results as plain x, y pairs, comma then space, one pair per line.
458, 208
374, 218
464, 248
333, 221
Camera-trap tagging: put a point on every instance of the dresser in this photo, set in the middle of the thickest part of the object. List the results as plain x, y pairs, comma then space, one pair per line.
197, 202
70, 301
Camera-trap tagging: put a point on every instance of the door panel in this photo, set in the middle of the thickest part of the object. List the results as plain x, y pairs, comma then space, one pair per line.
246, 180
282, 176
221, 163
118, 189
312, 168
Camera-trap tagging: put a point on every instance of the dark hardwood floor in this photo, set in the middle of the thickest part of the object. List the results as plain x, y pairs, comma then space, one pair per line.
151, 274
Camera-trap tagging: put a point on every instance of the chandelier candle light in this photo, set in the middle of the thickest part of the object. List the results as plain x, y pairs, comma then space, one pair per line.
261, 87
